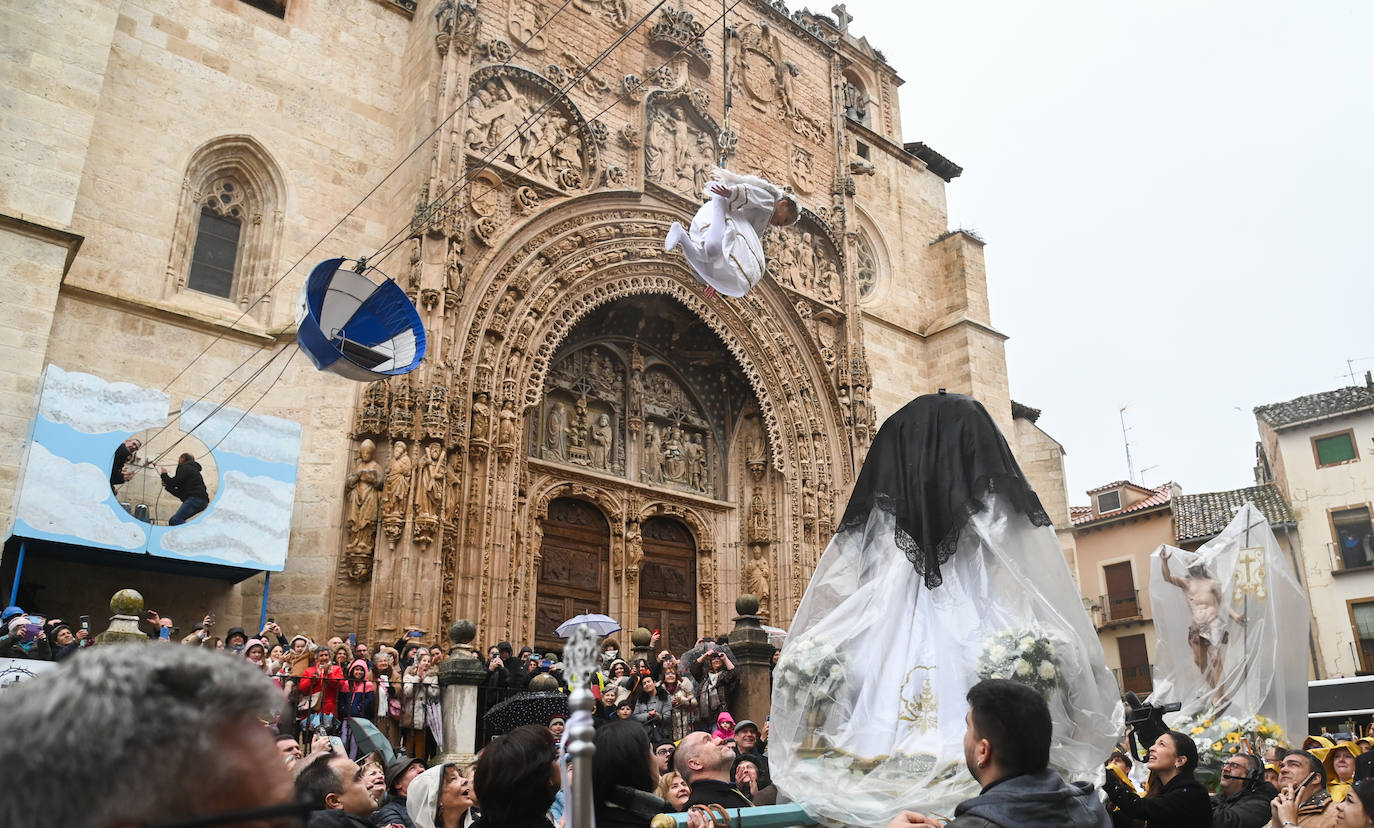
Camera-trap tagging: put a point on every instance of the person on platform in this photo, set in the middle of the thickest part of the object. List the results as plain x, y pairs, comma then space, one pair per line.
124, 454
188, 487
1007, 734
724, 245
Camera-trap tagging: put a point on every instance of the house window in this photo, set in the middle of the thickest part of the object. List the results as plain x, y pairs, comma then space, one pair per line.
862, 149
1335, 449
276, 8
1135, 664
217, 241
1120, 602
1354, 536
1362, 624
1108, 502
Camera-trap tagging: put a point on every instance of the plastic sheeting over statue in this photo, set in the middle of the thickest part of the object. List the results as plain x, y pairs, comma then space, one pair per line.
944, 570
1232, 626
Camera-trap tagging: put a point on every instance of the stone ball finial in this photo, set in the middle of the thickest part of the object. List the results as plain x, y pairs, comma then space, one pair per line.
641, 637
462, 631
747, 604
127, 602
543, 681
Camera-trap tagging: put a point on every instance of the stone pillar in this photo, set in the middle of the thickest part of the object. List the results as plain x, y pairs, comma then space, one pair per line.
753, 660
126, 608
640, 639
459, 677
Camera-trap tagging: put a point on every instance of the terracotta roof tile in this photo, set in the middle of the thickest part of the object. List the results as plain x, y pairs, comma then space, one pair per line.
1081, 515
1317, 406
1202, 516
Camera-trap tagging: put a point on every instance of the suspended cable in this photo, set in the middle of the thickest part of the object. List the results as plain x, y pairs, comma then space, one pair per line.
254, 404
418, 146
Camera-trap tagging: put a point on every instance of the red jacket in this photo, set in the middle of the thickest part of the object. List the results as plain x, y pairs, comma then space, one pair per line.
311, 684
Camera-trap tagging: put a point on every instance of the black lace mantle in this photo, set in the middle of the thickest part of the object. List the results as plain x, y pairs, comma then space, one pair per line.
931, 466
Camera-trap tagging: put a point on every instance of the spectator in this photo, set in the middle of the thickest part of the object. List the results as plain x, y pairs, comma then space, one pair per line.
389, 695
275, 656
556, 724
236, 639
64, 643
674, 790
289, 749
1174, 796
271, 634
374, 775
188, 487
419, 689
497, 674
617, 673
745, 774
652, 709
301, 655
682, 700
441, 797
706, 763
1340, 768
332, 784
624, 777
1007, 751
624, 709
1308, 806
1243, 801
663, 757
715, 677
400, 773
358, 695
343, 655
142, 735
26, 639
319, 693
747, 741
1357, 809
516, 779
610, 651
256, 654
725, 728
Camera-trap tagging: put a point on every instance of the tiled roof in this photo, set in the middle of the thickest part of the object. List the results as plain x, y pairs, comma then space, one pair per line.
1201, 516
1081, 515
1115, 484
1020, 411
1317, 406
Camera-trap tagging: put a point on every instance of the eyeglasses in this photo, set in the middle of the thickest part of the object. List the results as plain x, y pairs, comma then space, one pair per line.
288, 815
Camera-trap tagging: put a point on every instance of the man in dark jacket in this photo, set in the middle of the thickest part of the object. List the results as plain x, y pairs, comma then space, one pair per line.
1007, 749
333, 785
188, 487
399, 774
126, 452
1244, 798
705, 763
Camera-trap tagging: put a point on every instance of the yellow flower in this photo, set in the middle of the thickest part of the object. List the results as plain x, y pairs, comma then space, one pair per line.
1197, 730
1233, 737
1216, 746
1206, 722
1234, 749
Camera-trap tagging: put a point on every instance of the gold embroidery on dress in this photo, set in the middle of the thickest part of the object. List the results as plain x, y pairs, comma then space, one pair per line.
921, 710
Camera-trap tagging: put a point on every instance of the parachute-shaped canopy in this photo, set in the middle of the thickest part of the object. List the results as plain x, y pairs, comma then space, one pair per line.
356, 328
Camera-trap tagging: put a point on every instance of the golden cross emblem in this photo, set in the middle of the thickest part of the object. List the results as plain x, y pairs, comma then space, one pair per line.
1250, 574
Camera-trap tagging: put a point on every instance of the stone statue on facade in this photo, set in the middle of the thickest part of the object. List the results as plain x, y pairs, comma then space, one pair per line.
506, 434
674, 463
600, 449
757, 577
651, 465
396, 492
429, 491
364, 485
481, 418
557, 427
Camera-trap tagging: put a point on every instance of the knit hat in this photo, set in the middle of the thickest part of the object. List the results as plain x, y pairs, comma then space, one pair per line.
255, 642
17, 622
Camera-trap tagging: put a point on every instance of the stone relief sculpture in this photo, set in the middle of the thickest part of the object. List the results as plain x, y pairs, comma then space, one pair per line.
556, 440
600, 449
506, 433
364, 485
429, 491
481, 418
678, 153
802, 262
500, 126
757, 577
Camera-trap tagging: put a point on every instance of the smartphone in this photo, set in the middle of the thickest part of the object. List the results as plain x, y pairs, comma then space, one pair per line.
271, 620
352, 640
165, 633
86, 623
1308, 781
411, 634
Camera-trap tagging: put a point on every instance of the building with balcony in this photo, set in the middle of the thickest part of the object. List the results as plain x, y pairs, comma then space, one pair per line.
1315, 450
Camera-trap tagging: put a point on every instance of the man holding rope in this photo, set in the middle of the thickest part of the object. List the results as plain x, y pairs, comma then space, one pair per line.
188, 487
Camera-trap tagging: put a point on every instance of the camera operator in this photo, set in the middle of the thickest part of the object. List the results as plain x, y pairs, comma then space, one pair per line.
1243, 801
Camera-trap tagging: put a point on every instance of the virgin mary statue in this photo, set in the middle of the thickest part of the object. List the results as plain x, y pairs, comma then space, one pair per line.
944, 570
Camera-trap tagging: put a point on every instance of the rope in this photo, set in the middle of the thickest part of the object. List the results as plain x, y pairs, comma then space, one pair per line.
724, 86
420, 145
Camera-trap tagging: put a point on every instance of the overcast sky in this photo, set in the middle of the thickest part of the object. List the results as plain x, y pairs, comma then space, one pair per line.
1176, 199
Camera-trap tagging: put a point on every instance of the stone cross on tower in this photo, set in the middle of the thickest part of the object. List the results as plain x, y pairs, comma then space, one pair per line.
843, 16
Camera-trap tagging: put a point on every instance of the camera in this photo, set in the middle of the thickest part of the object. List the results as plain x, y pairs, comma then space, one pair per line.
1145, 723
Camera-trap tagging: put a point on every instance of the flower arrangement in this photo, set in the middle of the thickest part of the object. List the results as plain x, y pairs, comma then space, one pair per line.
1026, 655
1220, 737
811, 673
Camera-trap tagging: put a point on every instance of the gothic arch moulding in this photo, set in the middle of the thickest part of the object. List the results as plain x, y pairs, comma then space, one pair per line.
873, 265
236, 176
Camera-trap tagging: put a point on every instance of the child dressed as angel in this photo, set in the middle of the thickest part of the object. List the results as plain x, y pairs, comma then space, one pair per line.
724, 245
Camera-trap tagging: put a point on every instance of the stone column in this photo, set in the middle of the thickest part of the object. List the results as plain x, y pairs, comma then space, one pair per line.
459, 677
127, 608
753, 660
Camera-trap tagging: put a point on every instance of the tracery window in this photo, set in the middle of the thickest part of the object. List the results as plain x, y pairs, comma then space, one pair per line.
866, 277
227, 240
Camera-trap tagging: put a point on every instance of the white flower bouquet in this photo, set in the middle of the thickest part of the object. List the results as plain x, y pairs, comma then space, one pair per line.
1026, 655
811, 673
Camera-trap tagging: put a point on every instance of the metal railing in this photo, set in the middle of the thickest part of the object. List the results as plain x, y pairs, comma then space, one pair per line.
1118, 606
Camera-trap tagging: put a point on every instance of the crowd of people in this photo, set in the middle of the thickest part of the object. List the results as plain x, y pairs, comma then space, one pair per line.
665, 741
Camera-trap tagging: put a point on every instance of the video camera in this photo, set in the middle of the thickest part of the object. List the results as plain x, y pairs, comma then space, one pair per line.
1145, 724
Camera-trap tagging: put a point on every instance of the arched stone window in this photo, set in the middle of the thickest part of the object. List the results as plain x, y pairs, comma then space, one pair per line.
227, 240
857, 104
866, 267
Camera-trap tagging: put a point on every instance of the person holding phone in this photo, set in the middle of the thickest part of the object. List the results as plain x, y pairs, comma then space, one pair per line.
1174, 797
1302, 800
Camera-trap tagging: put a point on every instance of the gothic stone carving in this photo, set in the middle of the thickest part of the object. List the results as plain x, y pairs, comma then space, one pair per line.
364, 486
396, 493
676, 32
457, 26
550, 148
679, 145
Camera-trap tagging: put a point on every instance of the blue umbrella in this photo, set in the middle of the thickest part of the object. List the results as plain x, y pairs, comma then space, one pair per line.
602, 625
356, 328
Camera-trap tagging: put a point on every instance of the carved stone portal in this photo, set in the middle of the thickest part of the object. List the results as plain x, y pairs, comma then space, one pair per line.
679, 144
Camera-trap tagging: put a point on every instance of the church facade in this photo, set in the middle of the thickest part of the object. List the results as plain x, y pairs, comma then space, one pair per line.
589, 431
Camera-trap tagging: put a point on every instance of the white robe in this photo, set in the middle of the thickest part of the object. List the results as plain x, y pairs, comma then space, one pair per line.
724, 245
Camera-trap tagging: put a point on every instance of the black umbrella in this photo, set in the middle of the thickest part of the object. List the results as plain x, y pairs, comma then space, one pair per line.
535, 707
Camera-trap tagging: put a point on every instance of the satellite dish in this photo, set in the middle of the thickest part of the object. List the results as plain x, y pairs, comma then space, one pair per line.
351, 326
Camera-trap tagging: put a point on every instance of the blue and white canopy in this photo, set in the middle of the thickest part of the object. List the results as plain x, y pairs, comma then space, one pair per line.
356, 328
